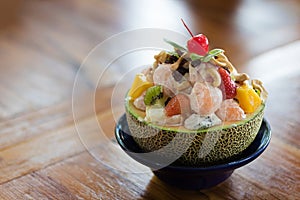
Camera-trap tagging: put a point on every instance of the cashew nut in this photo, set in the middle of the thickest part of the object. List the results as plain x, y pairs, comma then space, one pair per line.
160, 58
218, 61
257, 84
215, 75
175, 65
223, 61
241, 77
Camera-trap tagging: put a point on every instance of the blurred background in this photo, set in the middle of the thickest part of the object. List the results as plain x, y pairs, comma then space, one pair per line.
46, 41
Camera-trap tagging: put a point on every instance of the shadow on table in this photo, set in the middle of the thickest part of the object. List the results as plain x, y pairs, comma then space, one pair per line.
157, 189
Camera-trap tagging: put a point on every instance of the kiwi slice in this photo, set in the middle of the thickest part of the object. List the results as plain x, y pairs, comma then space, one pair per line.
153, 95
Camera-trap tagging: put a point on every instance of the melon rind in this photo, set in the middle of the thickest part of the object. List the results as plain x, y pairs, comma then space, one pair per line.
221, 142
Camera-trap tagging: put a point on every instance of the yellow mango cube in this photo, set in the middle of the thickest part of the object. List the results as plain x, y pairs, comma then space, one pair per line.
139, 85
248, 99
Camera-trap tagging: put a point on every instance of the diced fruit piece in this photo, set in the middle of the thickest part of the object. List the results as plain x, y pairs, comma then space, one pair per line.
155, 114
205, 99
153, 95
177, 105
196, 122
248, 99
230, 111
227, 86
139, 85
139, 102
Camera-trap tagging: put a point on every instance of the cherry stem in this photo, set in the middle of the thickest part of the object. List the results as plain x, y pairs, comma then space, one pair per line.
187, 28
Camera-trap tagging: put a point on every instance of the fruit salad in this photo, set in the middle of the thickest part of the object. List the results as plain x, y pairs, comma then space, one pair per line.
195, 88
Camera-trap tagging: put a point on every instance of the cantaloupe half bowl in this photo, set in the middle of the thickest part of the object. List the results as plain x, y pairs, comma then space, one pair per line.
205, 147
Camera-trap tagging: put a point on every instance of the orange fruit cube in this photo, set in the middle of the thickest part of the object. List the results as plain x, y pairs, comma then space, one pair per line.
248, 99
139, 85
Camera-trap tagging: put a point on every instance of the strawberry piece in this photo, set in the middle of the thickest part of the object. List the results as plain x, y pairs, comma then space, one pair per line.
177, 105
228, 86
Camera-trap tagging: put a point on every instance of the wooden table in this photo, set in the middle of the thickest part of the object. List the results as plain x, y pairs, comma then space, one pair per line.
44, 156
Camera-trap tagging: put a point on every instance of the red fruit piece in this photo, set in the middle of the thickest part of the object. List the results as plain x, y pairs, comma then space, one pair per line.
228, 86
198, 44
177, 105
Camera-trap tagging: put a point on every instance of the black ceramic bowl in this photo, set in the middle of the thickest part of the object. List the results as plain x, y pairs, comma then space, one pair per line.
192, 178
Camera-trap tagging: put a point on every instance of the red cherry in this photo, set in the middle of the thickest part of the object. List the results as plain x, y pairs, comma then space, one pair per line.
198, 44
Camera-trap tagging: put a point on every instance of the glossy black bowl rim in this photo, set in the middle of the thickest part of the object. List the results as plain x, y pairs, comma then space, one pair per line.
261, 142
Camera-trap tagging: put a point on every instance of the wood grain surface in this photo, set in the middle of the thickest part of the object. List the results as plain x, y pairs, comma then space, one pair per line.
49, 152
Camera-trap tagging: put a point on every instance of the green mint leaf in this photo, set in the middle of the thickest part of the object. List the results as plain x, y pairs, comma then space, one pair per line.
177, 46
215, 52
207, 58
194, 56
173, 54
211, 54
